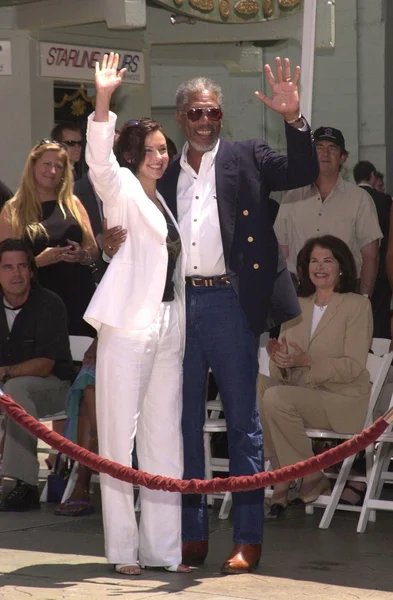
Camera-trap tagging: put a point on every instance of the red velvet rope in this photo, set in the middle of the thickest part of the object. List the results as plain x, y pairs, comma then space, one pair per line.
193, 486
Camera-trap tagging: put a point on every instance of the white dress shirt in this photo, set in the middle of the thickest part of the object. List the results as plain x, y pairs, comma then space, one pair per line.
317, 315
197, 214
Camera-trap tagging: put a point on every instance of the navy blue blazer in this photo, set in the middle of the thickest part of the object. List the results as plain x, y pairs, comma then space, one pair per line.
246, 173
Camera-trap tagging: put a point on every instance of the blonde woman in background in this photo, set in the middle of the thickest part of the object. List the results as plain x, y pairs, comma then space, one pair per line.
46, 214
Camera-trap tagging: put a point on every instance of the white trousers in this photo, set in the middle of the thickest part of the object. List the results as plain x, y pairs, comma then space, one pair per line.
138, 394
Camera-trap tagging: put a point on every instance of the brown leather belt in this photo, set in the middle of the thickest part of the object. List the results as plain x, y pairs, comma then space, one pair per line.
215, 281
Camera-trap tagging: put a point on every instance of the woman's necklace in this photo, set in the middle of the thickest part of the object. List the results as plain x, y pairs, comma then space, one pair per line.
321, 306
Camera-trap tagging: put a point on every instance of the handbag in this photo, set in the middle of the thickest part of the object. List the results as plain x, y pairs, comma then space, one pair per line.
58, 478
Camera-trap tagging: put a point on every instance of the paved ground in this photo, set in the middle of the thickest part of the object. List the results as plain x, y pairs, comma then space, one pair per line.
49, 558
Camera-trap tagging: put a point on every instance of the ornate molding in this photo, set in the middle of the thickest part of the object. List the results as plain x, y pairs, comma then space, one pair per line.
233, 11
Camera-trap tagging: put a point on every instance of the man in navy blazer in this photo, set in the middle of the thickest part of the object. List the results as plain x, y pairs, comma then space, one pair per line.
219, 190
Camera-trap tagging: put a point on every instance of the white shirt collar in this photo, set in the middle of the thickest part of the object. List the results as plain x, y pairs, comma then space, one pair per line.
209, 156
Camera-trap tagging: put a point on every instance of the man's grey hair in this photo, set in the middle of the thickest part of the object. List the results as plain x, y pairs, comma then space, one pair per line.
198, 84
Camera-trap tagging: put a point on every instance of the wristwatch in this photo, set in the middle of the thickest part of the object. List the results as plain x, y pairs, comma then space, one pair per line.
6, 375
293, 121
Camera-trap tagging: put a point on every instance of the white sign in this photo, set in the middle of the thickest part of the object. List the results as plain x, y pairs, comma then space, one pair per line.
5, 58
62, 61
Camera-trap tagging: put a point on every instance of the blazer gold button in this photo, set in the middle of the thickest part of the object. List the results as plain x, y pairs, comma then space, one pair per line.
245, 213
250, 239
256, 266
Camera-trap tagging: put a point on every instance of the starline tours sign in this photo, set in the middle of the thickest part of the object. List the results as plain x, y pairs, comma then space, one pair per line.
62, 61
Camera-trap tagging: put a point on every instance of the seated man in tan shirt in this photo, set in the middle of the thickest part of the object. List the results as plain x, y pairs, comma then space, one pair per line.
333, 206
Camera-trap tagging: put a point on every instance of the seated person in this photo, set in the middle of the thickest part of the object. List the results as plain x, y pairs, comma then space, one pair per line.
318, 368
35, 365
82, 429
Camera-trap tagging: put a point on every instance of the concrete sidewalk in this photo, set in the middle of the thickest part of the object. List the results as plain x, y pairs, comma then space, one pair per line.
49, 558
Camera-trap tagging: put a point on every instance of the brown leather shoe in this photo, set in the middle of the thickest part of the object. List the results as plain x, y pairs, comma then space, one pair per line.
244, 558
194, 553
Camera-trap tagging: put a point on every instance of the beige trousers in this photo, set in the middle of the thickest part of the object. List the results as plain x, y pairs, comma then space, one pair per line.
285, 413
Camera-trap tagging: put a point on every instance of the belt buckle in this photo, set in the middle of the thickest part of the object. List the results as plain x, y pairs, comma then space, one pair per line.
197, 281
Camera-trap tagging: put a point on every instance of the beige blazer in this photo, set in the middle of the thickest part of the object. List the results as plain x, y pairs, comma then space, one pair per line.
130, 292
338, 349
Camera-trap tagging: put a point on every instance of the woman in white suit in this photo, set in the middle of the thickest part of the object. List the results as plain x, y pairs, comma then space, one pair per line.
138, 311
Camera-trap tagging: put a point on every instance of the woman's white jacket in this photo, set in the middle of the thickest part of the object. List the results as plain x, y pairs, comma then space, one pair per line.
130, 292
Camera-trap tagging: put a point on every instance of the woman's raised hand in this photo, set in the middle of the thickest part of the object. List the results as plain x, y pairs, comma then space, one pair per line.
107, 76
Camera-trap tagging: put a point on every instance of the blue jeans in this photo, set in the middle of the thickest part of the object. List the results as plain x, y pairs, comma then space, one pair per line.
218, 335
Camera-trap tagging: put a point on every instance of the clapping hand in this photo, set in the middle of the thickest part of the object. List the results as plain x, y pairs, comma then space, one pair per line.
285, 360
285, 98
73, 252
51, 255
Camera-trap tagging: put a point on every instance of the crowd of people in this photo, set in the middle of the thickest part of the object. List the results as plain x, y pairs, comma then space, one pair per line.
174, 266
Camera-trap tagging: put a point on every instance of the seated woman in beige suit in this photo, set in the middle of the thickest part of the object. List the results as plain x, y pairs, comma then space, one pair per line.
318, 366
138, 310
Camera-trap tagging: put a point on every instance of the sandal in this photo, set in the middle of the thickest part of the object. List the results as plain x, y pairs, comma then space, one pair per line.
127, 569
74, 508
355, 496
179, 568
172, 568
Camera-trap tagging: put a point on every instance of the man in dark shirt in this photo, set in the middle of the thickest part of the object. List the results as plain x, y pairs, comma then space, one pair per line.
35, 365
364, 173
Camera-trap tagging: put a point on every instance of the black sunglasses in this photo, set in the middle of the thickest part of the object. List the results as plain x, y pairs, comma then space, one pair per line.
72, 143
194, 114
131, 123
49, 141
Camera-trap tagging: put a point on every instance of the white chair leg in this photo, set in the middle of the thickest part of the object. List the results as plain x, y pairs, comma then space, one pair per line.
336, 493
71, 482
44, 493
137, 506
225, 506
373, 484
208, 463
385, 457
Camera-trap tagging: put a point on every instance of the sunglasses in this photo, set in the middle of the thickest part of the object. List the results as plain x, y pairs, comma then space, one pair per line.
49, 141
72, 143
194, 114
131, 123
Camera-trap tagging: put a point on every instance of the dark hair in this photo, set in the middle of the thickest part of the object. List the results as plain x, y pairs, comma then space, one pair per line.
57, 131
171, 146
363, 170
379, 175
18, 245
130, 146
342, 254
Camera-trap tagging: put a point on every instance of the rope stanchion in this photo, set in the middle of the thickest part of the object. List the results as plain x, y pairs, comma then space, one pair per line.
194, 486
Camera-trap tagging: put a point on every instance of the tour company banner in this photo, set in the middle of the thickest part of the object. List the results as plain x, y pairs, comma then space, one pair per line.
63, 61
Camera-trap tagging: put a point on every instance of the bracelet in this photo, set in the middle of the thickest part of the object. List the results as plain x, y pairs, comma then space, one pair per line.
86, 260
295, 120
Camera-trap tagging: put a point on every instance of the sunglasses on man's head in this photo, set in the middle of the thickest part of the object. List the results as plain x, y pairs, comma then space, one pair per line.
194, 114
72, 143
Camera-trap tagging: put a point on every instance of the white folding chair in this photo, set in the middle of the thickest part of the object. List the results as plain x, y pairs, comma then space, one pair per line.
378, 367
380, 346
214, 424
378, 476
